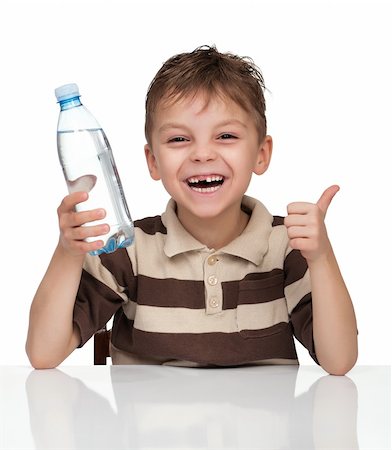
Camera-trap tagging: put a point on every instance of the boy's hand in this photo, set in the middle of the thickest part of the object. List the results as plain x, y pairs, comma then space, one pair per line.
72, 233
306, 228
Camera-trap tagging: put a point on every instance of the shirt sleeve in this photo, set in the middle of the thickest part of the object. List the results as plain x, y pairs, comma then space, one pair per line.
299, 299
105, 286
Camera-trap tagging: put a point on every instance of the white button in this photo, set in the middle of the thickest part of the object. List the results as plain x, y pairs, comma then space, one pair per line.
212, 280
214, 302
212, 260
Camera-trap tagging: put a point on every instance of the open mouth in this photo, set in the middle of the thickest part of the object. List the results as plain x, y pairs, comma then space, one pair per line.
205, 183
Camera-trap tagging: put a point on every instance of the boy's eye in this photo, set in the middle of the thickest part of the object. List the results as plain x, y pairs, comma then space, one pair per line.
227, 136
177, 139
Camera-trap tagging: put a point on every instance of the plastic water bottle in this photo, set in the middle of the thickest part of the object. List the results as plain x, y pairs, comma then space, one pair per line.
88, 165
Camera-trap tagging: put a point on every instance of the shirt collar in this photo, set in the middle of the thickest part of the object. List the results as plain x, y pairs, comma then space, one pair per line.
251, 244
178, 240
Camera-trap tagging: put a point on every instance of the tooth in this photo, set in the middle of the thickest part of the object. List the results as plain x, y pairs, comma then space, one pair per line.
208, 179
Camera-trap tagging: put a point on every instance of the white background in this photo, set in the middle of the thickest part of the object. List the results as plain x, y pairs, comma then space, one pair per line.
326, 65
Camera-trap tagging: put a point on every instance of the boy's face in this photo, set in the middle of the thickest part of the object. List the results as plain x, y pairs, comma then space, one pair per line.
205, 155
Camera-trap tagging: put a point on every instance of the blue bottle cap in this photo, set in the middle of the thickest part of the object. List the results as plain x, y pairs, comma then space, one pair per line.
66, 92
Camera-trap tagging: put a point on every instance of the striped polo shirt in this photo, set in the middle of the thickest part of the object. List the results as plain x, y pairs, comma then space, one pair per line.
177, 302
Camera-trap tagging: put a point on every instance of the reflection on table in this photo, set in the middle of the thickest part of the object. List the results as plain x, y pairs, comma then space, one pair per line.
166, 407
232, 408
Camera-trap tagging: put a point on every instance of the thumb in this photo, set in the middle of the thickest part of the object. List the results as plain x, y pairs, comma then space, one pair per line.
326, 198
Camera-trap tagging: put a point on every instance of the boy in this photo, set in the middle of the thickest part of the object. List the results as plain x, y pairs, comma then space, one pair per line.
216, 280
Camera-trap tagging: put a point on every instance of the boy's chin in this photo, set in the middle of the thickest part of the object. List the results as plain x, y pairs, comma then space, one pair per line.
202, 212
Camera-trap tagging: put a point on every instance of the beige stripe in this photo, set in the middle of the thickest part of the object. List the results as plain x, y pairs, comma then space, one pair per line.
184, 320
288, 250
297, 290
257, 316
130, 310
131, 250
189, 266
92, 265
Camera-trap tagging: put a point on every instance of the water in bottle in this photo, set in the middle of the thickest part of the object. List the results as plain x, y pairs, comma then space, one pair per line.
88, 165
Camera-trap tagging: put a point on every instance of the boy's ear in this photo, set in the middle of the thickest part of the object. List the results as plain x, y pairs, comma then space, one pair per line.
151, 163
263, 156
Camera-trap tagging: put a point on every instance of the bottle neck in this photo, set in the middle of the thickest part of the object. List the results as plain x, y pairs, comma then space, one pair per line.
70, 103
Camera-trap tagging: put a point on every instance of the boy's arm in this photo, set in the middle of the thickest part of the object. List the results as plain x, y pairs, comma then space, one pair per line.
52, 336
334, 323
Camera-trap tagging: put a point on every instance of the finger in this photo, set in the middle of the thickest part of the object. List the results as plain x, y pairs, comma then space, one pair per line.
83, 247
299, 207
297, 243
70, 201
80, 218
296, 220
82, 233
302, 244
73, 219
326, 198
299, 232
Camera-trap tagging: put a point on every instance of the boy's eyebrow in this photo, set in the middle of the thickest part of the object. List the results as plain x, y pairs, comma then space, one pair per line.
232, 122
170, 125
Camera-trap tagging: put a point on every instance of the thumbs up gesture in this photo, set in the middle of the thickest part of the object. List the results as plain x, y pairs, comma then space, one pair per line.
306, 228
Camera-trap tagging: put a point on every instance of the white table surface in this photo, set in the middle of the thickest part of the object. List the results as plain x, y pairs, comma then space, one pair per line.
153, 407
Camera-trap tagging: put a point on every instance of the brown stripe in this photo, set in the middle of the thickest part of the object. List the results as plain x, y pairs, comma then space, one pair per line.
254, 288
170, 292
295, 266
122, 331
302, 322
223, 349
151, 225
119, 265
95, 305
246, 209
296, 291
278, 220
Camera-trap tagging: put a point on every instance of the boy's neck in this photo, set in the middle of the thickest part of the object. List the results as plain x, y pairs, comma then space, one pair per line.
216, 232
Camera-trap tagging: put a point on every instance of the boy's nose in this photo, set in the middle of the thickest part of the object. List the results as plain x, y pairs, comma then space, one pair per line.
203, 153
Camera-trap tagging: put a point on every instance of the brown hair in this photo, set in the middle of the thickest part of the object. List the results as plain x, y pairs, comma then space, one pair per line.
216, 74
